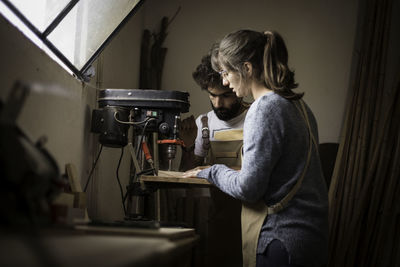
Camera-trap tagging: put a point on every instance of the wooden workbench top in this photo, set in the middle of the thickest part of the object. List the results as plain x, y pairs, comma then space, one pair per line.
100, 247
163, 232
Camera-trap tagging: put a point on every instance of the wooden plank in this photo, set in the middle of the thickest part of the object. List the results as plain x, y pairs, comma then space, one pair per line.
80, 200
76, 189
64, 199
170, 174
73, 177
173, 177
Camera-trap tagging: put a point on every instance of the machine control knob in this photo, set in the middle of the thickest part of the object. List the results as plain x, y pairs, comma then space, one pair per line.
164, 128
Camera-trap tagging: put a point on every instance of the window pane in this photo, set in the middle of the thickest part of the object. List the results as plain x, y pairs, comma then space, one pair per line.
12, 18
40, 12
87, 26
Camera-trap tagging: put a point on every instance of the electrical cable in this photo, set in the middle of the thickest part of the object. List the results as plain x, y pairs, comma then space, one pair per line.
125, 196
119, 182
146, 121
91, 171
129, 122
142, 136
140, 142
139, 149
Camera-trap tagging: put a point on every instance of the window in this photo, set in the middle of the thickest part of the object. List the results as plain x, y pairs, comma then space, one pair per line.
73, 32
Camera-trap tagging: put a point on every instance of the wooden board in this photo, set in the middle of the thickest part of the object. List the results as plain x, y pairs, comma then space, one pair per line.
73, 179
173, 177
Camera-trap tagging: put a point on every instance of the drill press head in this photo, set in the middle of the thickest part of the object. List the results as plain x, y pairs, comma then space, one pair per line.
149, 110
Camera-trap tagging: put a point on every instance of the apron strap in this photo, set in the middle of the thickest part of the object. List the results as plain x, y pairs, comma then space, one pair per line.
283, 203
205, 132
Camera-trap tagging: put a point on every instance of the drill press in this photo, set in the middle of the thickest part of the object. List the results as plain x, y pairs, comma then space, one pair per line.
155, 112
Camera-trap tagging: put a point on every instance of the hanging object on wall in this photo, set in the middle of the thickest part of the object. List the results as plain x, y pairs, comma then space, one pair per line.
152, 55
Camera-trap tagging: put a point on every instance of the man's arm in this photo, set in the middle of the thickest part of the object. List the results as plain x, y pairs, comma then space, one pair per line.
188, 133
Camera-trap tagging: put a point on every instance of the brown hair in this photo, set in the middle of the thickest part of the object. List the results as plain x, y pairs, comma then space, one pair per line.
267, 53
206, 77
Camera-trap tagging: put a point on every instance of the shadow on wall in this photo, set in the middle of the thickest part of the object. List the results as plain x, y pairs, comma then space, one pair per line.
327, 153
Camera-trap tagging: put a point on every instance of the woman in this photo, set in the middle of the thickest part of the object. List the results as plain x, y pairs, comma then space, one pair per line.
281, 174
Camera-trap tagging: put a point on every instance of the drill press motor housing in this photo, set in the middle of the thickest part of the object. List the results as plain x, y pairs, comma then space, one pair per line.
149, 111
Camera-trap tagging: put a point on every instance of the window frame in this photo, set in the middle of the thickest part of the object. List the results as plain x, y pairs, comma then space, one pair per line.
79, 73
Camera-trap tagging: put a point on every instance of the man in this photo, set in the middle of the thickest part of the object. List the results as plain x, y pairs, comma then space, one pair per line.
218, 220
228, 112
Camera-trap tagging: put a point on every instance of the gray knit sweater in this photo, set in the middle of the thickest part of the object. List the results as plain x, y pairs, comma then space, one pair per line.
275, 147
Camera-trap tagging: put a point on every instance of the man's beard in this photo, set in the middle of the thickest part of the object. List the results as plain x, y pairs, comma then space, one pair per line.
225, 114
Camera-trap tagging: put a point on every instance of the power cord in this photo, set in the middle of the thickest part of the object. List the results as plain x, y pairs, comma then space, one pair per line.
91, 171
123, 197
119, 181
139, 149
142, 136
117, 172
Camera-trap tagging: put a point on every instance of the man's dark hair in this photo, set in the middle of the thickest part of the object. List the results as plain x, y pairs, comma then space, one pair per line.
205, 76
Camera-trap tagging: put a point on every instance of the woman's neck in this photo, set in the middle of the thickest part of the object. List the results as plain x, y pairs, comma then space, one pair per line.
258, 90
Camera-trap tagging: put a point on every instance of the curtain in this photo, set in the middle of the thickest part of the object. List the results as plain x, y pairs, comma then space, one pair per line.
365, 188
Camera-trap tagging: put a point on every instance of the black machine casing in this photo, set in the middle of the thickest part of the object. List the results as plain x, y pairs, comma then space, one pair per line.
160, 105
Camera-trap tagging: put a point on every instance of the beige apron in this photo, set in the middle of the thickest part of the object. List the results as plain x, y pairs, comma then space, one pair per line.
254, 214
227, 148
224, 220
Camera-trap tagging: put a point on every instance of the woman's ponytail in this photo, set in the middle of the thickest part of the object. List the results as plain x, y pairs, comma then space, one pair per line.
277, 75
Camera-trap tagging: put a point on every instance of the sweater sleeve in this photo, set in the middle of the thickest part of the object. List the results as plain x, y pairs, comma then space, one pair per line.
263, 137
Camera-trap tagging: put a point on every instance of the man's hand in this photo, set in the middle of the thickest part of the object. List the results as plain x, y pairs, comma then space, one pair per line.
193, 172
188, 131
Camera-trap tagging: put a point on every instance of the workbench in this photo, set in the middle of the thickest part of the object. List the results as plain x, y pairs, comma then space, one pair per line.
98, 246
169, 179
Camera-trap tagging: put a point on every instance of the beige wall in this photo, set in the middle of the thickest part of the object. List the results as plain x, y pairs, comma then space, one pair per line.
117, 67
58, 105
319, 36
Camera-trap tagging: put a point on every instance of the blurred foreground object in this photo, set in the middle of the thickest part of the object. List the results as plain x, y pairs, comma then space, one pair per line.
29, 176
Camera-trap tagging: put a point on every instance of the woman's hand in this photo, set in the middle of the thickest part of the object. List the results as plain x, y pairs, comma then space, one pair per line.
193, 172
